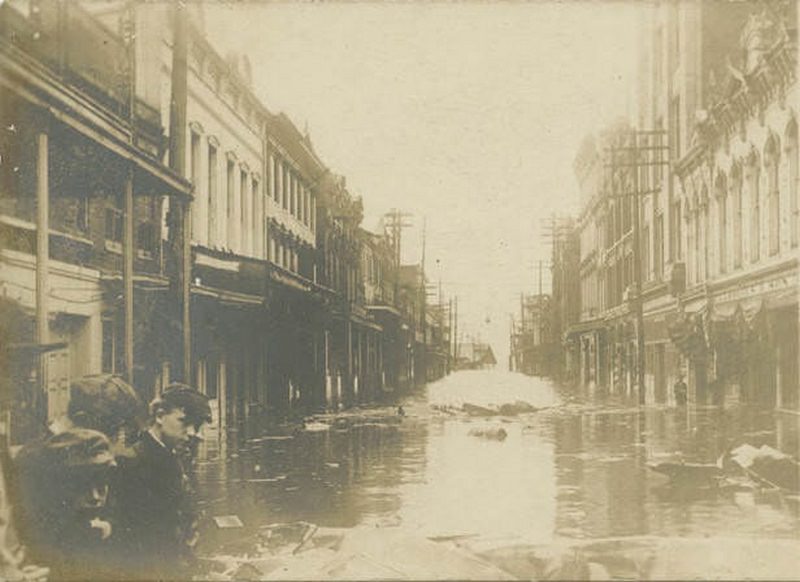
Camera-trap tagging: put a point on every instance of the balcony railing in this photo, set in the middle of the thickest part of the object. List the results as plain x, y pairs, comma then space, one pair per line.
86, 55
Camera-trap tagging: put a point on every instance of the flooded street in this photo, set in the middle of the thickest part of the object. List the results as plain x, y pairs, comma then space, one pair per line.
550, 470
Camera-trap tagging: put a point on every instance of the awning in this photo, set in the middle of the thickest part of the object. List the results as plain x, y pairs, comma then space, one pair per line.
586, 326
745, 310
227, 297
364, 322
384, 309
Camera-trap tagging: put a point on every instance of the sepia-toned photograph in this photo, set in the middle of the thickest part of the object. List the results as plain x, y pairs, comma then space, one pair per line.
399, 290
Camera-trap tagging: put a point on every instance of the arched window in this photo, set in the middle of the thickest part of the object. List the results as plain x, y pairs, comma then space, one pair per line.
721, 195
705, 213
691, 247
792, 163
736, 212
772, 154
753, 175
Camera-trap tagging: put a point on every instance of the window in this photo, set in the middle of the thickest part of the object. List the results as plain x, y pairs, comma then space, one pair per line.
313, 217
772, 166
753, 176
231, 189
675, 231
660, 162
146, 238
791, 160
245, 211
301, 203
195, 160
306, 205
212, 194
114, 225
109, 346
292, 193
736, 193
194, 174
722, 222
658, 246
273, 179
254, 194
82, 213
675, 126
286, 186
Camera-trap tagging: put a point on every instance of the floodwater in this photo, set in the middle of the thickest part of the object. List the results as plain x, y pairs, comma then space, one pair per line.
556, 468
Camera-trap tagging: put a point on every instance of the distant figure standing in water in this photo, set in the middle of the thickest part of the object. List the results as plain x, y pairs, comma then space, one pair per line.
680, 390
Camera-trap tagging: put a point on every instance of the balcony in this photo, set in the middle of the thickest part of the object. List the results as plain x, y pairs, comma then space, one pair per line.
63, 40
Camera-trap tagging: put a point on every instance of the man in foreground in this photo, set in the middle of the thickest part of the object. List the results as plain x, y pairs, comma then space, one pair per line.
154, 518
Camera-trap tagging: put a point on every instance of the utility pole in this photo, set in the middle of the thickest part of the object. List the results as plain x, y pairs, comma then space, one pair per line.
177, 161
637, 275
631, 153
540, 278
394, 223
424, 306
450, 335
127, 239
455, 332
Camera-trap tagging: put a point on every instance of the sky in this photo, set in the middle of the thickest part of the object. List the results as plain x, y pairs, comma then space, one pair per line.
468, 115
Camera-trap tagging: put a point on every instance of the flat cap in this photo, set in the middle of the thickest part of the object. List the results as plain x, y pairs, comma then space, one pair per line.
192, 401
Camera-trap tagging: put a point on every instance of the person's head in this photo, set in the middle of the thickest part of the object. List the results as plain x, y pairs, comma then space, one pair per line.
106, 403
79, 462
179, 414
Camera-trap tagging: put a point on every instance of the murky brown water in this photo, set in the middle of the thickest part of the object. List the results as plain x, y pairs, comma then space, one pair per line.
572, 470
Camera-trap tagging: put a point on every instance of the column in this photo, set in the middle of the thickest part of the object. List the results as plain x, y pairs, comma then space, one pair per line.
42, 259
127, 273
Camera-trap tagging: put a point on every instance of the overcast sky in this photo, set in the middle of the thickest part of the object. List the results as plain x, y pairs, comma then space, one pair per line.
467, 115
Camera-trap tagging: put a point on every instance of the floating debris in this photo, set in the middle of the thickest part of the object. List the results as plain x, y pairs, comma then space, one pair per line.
267, 479
317, 427
494, 434
228, 521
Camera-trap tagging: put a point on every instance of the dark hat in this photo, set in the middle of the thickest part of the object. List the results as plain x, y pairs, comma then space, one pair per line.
107, 400
79, 448
193, 402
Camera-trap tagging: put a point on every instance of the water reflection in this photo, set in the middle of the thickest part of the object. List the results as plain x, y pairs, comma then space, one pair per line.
605, 488
572, 469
